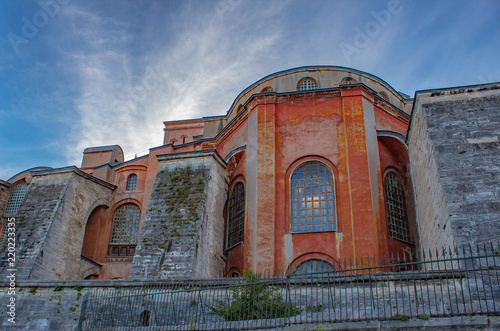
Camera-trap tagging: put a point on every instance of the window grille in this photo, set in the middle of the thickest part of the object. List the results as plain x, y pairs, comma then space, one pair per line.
306, 85
312, 198
313, 266
397, 216
16, 197
125, 230
348, 80
236, 215
131, 182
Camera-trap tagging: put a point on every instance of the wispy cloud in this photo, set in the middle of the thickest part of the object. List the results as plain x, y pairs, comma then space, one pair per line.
199, 74
106, 72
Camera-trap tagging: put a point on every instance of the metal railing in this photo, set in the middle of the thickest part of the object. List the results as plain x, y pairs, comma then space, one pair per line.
454, 282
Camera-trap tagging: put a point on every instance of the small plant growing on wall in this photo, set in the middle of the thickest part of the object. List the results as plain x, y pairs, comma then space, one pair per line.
254, 299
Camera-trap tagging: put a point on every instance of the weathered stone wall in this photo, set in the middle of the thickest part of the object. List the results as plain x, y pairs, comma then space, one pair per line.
51, 225
429, 208
455, 165
183, 231
184, 303
42, 307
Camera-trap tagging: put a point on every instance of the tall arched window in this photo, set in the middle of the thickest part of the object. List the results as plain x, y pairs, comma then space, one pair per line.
313, 266
125, 230
397, 216
132, 182
312, 198
307, 84
236, 215
16, 197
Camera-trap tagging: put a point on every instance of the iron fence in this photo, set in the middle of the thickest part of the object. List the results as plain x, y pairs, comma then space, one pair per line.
454, 282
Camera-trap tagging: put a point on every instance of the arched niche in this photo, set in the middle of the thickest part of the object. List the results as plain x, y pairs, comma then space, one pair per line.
94, 238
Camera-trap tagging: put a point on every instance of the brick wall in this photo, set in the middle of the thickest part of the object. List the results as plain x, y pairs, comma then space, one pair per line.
4, 195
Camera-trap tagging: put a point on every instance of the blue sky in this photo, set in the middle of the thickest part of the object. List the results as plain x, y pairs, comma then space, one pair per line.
76, 73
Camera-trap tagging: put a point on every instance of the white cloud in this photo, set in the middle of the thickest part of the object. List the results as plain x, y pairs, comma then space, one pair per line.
198, 75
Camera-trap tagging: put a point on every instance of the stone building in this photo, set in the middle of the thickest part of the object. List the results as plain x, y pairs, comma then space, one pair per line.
308, 166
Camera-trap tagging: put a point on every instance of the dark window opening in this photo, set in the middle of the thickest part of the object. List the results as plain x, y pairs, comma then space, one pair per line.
397, 216
236, 215
312, 266
144, 318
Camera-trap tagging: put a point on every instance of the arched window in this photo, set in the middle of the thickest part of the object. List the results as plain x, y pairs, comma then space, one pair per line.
125, 230
16, 197
348, 80
397, 216
384, 95
267, 89
312, 198
236, 215
307, 84
131, 182
313, 266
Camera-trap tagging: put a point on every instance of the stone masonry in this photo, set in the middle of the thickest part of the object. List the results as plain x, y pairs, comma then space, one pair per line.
51, 223
454, 149
183, 231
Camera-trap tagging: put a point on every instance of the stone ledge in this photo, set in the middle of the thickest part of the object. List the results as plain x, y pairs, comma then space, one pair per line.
76, 171
435, 323
193, 154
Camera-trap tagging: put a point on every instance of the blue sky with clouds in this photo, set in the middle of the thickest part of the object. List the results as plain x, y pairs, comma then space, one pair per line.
76, 73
